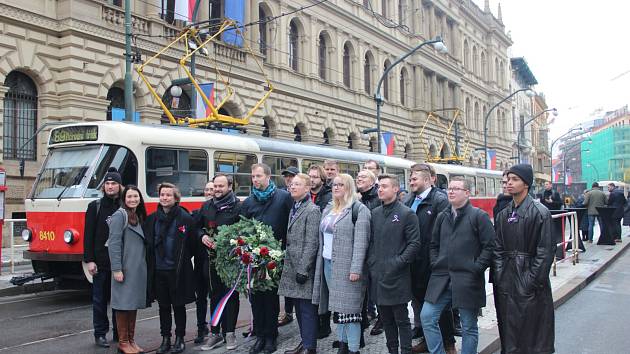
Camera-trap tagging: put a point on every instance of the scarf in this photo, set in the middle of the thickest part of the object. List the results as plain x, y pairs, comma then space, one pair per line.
263, 196
226, 202
163, 225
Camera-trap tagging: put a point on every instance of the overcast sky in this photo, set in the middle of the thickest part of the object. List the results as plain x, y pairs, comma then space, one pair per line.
578, 50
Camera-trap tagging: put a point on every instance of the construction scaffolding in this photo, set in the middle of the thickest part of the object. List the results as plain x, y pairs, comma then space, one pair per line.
454, 146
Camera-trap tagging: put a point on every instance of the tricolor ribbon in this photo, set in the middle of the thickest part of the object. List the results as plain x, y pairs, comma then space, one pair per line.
218, 311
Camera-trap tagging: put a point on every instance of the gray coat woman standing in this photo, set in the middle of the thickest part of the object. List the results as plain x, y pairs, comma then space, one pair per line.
127, 254
299, 262
340, 273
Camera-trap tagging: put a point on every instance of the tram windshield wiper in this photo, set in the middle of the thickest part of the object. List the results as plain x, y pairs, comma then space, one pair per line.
76, 181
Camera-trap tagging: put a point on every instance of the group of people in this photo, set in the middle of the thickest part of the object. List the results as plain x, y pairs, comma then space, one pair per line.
353, 251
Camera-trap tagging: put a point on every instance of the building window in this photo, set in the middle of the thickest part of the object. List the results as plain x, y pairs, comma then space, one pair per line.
386, 80
367, 73
350, 142
298, 134
327, 135
346, 65
322, 50
116, 98
265, 132
294, 46
262, 29
20, 117
403, 86
180, 107
401, 12
384, 8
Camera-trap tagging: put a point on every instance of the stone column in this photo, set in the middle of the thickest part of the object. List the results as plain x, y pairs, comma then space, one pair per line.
253, 32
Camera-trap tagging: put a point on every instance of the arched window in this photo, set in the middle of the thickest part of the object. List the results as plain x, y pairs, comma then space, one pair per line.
322, 49
407, 151
373, 144
180, 106
347, 59
496, 70
401, 12
468, 114
501, 79
367, 73
403, 86
475, 60
20, 117
386, 80
326, 137
265, 132
294, 50
478, 122
298, 133
484, 66
350, 142
466, 55
384, 9
262, 29
116, 98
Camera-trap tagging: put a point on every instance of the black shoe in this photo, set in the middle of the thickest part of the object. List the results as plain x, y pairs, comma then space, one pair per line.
179, 345
115, 337
377, 329
336, 344
270, 346
165, 347
357, 352
101, 341
324, 330
416, 333
202, 333
343, 348
362, 341
258, 346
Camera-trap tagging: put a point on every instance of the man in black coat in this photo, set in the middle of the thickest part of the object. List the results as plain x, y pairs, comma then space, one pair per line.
427, 202
394, 245
523, 255
95, 254
461, 250
321, 194
550, 198
223, 209
616, 200
270, 206
368, 188
172, 240
202, 279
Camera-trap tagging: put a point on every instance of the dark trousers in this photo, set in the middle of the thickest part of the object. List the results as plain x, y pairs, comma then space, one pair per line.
101, 294
165, 291
288, 305
265, 309
616, 229
201, 291
306, 314
227, 323
396, 325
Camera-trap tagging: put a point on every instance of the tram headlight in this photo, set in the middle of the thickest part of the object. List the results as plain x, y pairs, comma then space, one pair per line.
68, 236
27, 235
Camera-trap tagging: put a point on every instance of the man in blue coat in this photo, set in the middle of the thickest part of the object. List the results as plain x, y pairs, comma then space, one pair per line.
616, 200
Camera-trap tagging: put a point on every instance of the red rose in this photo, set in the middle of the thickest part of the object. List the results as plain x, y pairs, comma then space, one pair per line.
212, 224
264, 251
238, 251
240, 241
271, 265
246, 258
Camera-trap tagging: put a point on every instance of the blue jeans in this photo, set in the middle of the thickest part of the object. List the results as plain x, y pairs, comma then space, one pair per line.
101, 294
346, 332
430, 316
591, 225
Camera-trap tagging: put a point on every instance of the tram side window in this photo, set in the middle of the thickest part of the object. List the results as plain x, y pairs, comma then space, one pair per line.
400, 173
473, 185
350, 168
239, 166
306, 164
490, 187
187, 169
113, 156
481, 186
277, 165
441, 182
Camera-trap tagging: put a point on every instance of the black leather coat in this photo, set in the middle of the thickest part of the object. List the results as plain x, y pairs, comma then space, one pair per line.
524, 253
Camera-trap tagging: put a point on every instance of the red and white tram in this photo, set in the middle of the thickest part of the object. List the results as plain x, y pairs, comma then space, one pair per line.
79, 155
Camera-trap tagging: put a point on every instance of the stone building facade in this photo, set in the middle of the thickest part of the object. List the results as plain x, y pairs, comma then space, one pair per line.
63, 60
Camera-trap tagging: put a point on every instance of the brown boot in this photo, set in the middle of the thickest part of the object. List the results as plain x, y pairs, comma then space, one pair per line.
132, 332
450, 348
122, 322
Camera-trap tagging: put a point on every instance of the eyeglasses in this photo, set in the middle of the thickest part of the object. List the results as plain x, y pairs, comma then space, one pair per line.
338, 185
453, 190
503, 182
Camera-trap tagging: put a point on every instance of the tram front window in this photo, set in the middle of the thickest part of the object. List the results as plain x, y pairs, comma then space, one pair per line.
64, 172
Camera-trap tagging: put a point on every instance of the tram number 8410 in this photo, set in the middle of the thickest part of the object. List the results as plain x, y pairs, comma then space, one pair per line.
47, 235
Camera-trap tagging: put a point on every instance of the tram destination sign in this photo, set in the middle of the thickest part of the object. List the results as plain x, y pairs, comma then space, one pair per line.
70, 134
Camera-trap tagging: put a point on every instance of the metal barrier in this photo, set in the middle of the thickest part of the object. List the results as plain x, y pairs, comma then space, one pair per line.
12, 246
573, 238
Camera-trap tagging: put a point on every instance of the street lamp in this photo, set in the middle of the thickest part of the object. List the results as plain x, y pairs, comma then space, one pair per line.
439, 45
554, 143
588, 164
564, 163
521, 127
527, 91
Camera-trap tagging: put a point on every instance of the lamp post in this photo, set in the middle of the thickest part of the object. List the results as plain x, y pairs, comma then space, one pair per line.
564, 163
529, 93
594, 168
554, 143
439, 46
521, 127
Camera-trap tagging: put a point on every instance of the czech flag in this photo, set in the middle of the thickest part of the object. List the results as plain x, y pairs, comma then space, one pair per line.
492, 159
568, 178
387, 143
184, 9
201, 109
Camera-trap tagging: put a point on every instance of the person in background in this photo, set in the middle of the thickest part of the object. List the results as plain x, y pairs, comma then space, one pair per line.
402, 195
373, 167
458, 265
171, 243
524, 252
298, 271
594, 198
208, 190
340, 273
626, 212
223, 209
616, 200
504, 199
96, 255
331, 167
288, 175
287, 316
127, 252
321, 194
201, 276
550, 198
394, 245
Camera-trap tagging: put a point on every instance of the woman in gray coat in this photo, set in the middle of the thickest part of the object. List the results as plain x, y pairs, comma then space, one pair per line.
299, 262
340, 273
127, 253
